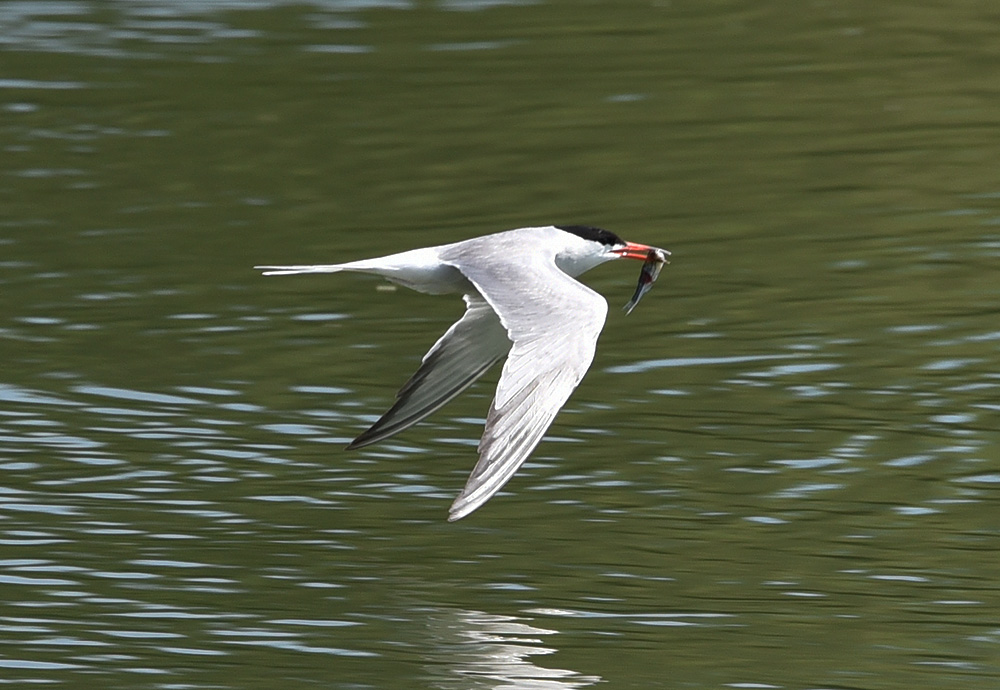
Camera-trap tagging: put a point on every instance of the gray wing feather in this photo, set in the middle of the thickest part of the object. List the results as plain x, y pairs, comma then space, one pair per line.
465, 352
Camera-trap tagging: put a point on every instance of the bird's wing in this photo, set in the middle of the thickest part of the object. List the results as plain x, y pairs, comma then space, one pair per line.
471, 346
554, 322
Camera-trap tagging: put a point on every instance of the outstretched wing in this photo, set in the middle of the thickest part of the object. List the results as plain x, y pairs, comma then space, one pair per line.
464, 353
553, 322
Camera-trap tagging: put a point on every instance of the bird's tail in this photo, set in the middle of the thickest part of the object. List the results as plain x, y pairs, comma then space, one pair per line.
291, 270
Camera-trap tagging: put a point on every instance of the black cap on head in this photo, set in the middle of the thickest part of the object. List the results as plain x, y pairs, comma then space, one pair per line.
587, 232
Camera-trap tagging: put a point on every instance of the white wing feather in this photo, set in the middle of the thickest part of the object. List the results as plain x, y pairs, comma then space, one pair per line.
554, 322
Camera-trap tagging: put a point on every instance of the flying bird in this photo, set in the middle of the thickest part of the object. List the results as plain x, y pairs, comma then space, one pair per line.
523, 302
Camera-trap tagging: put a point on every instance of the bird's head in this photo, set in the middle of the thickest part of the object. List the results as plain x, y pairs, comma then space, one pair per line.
596, 246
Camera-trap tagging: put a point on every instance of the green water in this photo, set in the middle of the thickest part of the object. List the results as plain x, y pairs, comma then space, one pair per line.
782, 470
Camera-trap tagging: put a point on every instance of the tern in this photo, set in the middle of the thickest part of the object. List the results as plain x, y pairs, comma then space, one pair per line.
523, 302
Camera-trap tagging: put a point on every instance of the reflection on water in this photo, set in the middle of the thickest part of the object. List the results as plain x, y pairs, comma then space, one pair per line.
481, 650
783, 470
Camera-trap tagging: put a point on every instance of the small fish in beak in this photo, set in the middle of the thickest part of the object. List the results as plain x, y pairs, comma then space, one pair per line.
650, 272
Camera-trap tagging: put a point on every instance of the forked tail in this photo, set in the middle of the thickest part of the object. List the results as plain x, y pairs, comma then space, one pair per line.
290, 270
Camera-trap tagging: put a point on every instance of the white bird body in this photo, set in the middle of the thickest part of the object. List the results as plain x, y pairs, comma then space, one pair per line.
521, 301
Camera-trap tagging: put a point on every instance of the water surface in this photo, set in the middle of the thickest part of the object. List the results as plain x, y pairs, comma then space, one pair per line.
781, 472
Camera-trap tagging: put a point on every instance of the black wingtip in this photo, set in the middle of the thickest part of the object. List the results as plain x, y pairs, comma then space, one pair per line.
365, 439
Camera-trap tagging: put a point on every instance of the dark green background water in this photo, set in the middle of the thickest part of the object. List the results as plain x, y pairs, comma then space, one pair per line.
781, 472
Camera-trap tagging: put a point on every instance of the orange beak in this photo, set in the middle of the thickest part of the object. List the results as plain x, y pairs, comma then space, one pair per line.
631, 250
